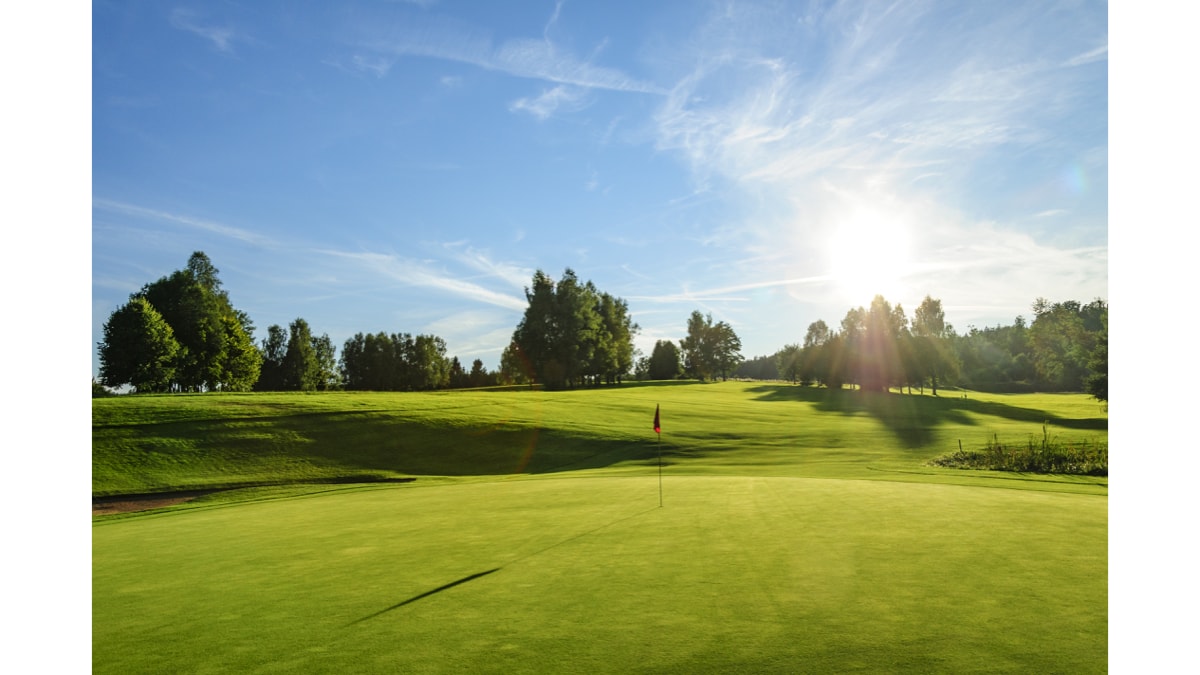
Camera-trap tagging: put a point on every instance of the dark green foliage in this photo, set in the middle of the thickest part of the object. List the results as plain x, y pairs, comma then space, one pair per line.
215, 348
710, 349
664, 363
993, 358
515, 368
816, 354
930, 345
396, 362
274, 347
1047, 455
1066, 349
300, 371
1097, 382
789, 363
1063, 337
139, 348
458, 376
612, 356
758, 368
479, 376
428, 363
570, 334
240, 363
328, 378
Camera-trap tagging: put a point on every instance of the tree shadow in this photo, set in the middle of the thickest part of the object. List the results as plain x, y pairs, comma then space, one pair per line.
913, 418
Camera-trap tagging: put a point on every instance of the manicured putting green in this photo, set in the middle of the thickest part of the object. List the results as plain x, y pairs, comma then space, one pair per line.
585, 573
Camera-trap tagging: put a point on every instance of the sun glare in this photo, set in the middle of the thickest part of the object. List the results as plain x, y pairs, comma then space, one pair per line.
869, 254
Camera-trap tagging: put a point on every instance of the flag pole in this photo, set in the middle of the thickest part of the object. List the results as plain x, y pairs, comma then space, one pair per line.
660, 470
658, 432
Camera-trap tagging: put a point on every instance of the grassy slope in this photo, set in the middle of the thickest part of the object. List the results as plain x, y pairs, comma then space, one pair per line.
155, 443
757, 562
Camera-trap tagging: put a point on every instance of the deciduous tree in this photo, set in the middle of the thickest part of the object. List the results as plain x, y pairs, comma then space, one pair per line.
300, 369
664, 363
709, 349
139, 348
571, 332
216, 345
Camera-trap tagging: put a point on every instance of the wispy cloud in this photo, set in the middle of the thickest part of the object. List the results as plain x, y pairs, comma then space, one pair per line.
1049, 212
1097, 54
415, 273
513, 275
377, 66
162, 216
476, 332
221, 37
538, 59
735, 293
896, 94
899, 110
550, 101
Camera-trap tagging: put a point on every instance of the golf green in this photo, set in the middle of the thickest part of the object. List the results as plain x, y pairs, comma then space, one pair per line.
587, 573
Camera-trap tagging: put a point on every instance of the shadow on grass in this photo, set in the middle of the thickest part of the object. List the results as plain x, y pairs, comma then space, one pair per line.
426, 594
913, 418
385, 443
477, 575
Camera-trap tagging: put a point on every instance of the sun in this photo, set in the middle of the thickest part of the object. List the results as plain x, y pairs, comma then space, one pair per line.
869, 254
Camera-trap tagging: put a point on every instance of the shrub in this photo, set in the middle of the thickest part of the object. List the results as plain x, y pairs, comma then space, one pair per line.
1047, 455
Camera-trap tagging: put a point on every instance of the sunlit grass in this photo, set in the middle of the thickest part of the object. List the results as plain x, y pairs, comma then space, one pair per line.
154, 443
800, 531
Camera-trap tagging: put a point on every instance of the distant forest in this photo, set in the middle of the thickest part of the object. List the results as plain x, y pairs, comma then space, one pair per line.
182, 334
1064, 349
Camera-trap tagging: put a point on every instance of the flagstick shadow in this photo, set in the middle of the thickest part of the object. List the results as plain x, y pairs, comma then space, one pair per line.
581, 535
426, 594
477, 575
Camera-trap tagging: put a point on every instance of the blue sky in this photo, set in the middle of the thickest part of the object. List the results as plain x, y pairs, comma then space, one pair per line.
406, 166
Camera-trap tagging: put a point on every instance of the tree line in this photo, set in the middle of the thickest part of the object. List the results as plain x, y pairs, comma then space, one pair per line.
182, 334
1065, 348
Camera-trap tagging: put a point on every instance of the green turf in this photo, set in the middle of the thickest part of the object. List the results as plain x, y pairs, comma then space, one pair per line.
155, 443
798, 533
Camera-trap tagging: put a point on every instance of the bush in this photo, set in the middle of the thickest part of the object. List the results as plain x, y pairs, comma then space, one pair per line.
1045, 456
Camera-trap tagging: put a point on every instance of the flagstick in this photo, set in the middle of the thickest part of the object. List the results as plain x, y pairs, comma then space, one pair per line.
659, 470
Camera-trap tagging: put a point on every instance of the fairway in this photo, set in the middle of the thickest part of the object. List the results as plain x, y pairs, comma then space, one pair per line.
819, 542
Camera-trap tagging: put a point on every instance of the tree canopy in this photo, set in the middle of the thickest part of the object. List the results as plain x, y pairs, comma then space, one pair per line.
570, 334
214, 344
710, 349
395, 362
665, 362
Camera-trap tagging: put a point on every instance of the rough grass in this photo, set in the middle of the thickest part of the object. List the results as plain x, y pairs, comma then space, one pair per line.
1046, 455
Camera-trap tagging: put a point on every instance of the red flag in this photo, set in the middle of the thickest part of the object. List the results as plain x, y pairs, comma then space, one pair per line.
657, 426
